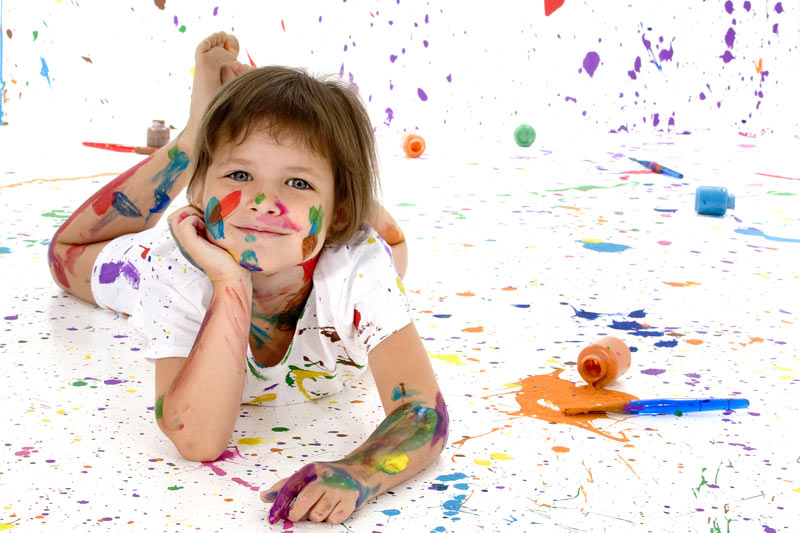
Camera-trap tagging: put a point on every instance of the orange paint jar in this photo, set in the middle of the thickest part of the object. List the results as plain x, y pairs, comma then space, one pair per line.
413, 145
604, 361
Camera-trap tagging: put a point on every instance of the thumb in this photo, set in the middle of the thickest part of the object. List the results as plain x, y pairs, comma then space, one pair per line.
269, 496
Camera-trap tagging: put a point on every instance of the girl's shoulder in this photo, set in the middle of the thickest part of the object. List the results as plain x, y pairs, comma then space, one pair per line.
365, 251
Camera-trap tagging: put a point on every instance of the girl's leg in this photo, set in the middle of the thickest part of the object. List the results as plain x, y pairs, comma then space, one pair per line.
137, 199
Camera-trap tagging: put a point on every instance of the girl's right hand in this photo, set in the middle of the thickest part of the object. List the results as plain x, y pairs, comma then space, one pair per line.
189, 231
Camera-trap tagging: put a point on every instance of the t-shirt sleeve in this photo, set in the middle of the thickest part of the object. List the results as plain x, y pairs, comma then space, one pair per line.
374, 303
169, 315
142, 275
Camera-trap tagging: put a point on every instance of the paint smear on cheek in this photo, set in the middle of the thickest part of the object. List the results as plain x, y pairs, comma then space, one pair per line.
229, 203
214, 222
538, 392
315, 216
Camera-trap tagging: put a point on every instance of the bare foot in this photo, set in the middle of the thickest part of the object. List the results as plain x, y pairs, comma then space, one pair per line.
215, 65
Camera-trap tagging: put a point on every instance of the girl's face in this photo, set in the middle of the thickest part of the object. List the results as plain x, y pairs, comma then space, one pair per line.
269, 204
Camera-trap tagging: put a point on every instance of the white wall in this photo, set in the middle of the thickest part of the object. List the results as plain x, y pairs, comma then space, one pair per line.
508, 62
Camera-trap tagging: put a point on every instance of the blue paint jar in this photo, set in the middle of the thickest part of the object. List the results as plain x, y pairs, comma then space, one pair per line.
713, 200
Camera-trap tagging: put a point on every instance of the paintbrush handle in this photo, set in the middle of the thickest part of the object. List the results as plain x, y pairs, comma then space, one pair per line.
683, 405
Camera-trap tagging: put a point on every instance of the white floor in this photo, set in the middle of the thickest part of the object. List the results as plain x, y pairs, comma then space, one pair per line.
507, 264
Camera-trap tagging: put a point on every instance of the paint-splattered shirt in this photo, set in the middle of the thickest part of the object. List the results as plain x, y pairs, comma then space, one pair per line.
357, 301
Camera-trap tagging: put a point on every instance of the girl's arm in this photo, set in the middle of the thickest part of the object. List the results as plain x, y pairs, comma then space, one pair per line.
198, 409
389, 230
411, 437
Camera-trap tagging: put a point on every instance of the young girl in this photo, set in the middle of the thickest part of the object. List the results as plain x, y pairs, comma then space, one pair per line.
271, 287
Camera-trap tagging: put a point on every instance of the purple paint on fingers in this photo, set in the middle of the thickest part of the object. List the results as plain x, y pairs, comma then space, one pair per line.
289, 491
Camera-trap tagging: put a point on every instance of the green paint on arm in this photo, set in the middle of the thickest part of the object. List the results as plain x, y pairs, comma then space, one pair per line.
174, 151
160, 407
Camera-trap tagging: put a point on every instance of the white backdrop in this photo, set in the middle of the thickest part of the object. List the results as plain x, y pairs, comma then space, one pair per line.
484, 66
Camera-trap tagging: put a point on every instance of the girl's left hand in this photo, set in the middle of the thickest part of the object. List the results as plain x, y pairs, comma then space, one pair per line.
320, 492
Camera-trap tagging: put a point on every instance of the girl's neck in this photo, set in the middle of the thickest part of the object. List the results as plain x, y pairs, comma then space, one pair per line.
280, 293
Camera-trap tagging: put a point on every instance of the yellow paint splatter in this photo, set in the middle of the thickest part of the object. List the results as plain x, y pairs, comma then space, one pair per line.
501, 457
394, 463
400, 286
481, 462
452, 358
301, 375
250, 441
264, 398
6, 527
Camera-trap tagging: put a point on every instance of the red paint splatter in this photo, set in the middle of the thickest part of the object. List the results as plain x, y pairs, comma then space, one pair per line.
308, 268
229, 203
283, 25
356, 318
252, 63
551, 5
144, 251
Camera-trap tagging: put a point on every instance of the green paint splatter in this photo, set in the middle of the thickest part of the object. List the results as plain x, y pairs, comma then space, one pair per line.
280, 429
160, 407
315, 217
776, 193
173, 152
406, 205
35, 35
182, 29
590, 187
259, 198
79, 384
174, 488
250, 238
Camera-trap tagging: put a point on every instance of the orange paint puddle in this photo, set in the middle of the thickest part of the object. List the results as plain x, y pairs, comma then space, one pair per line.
560, 449
549, 389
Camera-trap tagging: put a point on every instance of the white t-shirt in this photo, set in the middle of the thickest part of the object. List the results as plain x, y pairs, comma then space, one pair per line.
357, 300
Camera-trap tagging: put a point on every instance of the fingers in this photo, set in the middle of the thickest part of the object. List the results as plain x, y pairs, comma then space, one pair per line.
342, 510
305, 500
220, 38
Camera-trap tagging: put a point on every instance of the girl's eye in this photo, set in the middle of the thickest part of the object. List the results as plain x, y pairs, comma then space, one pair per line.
238, 175
297, 183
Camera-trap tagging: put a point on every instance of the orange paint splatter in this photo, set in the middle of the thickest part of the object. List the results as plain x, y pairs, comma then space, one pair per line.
679, 284
509, 288
760, 65
537, 392
560, 449
466, 438
473, 330
695, 342
752, 340
468, 293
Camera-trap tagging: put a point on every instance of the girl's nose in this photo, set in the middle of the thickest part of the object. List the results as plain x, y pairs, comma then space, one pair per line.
263, 203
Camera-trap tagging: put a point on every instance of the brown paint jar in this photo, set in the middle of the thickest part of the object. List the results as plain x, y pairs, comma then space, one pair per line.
604, 361
157, 134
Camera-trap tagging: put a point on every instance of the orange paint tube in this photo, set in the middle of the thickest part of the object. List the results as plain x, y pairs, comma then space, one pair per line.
604, 361
413, 145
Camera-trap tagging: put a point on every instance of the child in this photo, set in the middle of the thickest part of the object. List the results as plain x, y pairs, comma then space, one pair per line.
270, 288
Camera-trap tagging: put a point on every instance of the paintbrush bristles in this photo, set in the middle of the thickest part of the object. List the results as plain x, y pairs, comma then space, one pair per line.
611, 407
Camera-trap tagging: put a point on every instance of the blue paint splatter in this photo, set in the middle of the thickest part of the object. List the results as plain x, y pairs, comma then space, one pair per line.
666, 344
521, 306
391, 512
5, 250
167, 177
451, 477
250, 261
585, 314
637, 314
45, 72
442, 316
759, 233
606, 247
217, 230
125, 207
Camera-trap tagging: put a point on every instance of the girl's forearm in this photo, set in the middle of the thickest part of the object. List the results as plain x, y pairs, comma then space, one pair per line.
133, 201
406, 442
201, 406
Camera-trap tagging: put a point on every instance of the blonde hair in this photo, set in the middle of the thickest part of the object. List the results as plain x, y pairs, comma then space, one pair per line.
323, 113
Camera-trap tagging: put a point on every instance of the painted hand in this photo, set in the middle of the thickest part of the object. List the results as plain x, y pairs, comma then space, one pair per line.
319, 492
188, 229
